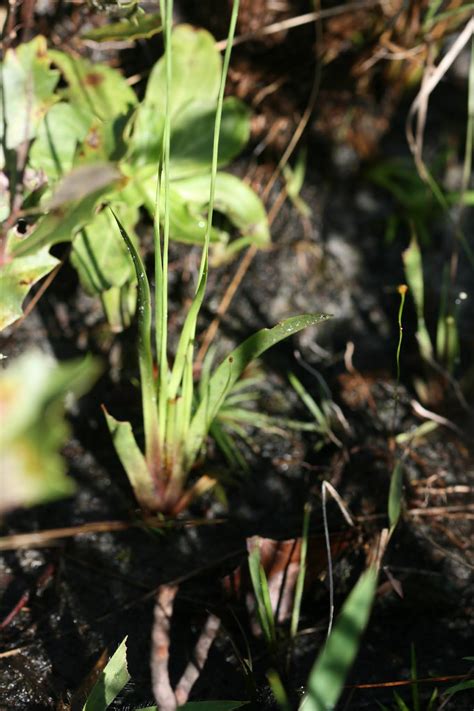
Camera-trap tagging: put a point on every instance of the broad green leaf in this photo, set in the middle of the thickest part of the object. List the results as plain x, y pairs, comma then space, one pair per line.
228, 372
59, 134
94, 87
65, 219
28, 85
189, 201
104, 141
187, 221
32, 392
111, 681
16, 279
233, 198
412, 261
328, 675
137, 27
196, 69
146, 134
395, 495
193, 134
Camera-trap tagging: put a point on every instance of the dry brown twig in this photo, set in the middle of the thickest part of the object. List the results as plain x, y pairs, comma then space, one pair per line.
162, 689
166, 698
51, 537
300, 20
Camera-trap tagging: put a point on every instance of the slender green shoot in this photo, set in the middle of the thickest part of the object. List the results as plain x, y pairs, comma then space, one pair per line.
395, 494
262, 596
430, 16
402, 290
161, 252
145, 358
433, 18
415, 692
295, 617
413, 264
467, 168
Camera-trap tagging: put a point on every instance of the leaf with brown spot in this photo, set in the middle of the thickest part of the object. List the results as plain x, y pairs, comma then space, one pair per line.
97, 88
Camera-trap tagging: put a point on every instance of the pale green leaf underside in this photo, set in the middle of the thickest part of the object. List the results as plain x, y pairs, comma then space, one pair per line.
16, 279
131, 457
28, 85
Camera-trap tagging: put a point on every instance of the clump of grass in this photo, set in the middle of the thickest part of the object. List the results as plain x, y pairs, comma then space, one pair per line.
177, 415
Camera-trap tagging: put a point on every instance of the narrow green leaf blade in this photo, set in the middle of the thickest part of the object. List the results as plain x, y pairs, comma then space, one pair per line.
110, 682
262, 595
328, 674
402, 706
145, 357
395, 494
233, 366
462, 686
413, 263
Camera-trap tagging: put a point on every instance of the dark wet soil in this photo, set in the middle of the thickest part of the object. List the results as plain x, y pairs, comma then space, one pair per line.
83, 595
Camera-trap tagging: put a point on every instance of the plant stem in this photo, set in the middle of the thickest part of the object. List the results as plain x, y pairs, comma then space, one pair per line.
402, 290
161, 296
